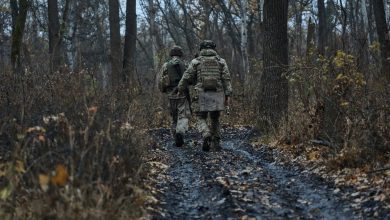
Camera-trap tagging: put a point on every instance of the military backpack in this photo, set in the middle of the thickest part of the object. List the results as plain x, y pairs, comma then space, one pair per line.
175, 69
210, 73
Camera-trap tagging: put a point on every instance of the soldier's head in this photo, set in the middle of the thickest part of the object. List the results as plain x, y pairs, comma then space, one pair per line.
176, 51
207, 44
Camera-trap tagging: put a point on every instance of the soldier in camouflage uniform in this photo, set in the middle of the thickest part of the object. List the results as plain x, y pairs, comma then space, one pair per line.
211, 77
170, 75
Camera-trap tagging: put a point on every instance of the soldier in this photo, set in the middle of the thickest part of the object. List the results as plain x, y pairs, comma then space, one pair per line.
170, 75
210, 75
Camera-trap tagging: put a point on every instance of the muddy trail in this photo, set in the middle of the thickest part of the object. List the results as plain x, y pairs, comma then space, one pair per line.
239, 182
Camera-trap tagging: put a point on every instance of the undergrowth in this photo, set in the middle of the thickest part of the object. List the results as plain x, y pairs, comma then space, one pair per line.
69, 148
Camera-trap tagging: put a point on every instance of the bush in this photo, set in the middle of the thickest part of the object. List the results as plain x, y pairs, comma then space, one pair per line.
332, 101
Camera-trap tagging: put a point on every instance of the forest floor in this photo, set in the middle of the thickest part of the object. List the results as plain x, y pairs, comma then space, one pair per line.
246, 180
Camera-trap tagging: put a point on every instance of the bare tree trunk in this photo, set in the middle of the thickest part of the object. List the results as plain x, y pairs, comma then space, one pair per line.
74, 21
383, 35
103, 61
274, 85
17, 33
343, 21
310, 38
322, 35
251, 41
363, 37
298, 25
14, 12
352, 24
2, 58
115, 43
261, 10
371, 20
54, 34
244, 40
205, 28
153, 32
129, 54
156, 41
365, 19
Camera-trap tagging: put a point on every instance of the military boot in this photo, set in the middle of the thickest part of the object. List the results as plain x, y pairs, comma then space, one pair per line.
216, 144
206, 144
179, 140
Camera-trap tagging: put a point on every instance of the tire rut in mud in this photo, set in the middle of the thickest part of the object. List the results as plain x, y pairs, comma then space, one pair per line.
240, 181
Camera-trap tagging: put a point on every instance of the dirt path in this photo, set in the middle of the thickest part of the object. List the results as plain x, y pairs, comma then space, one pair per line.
240, 181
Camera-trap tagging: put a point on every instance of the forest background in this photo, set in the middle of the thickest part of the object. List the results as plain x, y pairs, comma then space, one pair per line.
78, 88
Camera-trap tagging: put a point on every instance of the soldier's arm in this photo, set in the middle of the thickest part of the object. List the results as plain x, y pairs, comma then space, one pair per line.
188, 77
226, 79
163, 72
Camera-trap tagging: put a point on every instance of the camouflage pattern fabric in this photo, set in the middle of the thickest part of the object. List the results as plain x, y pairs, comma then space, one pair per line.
180, 112
178, 106
165, 84
204, 129
192, 76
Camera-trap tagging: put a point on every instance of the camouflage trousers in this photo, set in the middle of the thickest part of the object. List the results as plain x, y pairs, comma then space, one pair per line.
180, 111
203, 127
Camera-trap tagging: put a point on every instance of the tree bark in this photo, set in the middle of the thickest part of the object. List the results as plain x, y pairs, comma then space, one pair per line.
115, 43
14, 12
298, 25
17, 33
383, 35
244, 40
129, 53
322, 36
153, 32
363, 38
310, 38
274, 85
205, 28
54, 34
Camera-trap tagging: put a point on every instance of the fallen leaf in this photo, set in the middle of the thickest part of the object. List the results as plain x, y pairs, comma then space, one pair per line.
20, 136
6, 192
92, 110
220, 202
223, 181
44, 181
19, 167
355, 194
381, 197
36, 128
61, 177
313, 155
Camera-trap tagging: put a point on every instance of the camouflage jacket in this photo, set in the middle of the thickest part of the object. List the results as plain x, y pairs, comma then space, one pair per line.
190, 77
163, 73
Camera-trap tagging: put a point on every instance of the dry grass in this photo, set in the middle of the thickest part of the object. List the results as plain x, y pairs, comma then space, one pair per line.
69, 149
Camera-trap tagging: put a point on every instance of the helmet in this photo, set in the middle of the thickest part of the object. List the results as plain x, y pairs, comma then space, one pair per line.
176, 51
207, 44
